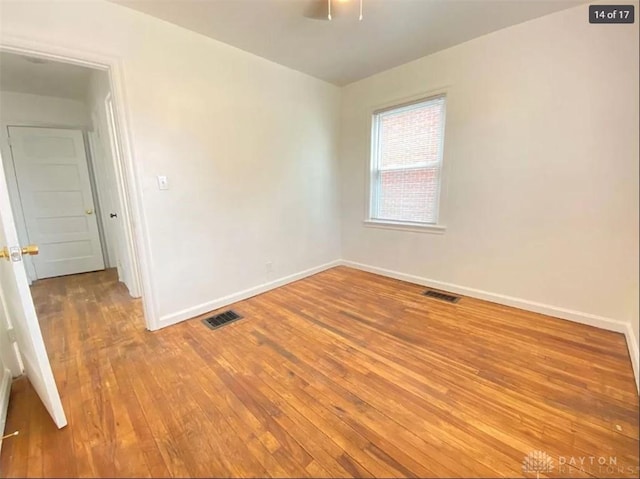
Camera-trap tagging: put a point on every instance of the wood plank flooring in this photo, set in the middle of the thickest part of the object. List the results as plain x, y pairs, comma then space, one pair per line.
341, 374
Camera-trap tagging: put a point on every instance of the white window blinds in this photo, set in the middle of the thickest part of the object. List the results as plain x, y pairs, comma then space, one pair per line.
406, 162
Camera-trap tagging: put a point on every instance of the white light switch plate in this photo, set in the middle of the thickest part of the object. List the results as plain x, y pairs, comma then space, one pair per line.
163, 183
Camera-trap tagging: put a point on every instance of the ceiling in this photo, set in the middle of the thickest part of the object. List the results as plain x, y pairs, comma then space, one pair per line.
344, 50
42, 77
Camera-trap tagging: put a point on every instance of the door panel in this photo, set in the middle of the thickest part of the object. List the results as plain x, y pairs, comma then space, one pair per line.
108, 206
55, 192
17, 309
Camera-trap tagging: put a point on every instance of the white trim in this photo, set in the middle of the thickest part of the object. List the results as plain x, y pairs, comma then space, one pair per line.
373, 164
416, 227
632, 345
411, 104
132, 170
5, 390
541, 308
415, 97
214, 304
555, 311
571, 315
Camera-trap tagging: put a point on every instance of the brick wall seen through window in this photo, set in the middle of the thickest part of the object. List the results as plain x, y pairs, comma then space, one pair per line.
407, 162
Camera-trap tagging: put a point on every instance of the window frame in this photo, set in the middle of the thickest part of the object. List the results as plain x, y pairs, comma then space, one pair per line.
374, 171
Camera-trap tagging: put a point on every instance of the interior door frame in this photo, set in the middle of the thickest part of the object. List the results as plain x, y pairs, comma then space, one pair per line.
138, 240
14, 189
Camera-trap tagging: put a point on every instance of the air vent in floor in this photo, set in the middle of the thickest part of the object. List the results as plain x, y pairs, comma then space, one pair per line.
442, 296
221, 319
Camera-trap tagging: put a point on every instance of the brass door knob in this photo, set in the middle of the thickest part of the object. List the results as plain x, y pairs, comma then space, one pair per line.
16, 254
89, 211
31, 249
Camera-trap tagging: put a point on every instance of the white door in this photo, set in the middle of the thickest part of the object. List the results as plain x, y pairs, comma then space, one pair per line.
126, 259
108, 205
16, 303
57, 201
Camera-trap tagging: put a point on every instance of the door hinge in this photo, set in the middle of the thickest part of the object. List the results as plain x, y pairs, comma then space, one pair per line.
11, 334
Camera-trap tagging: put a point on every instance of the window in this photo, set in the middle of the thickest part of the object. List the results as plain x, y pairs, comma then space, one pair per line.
406, 162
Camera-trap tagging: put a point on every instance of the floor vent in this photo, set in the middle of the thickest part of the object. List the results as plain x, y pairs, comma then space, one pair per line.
221, 319
442, 296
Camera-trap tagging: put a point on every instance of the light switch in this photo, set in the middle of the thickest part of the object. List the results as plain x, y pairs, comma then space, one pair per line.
163, 183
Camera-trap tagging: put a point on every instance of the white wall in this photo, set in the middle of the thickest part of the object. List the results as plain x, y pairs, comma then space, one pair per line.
38, 110
540, 198
250, 149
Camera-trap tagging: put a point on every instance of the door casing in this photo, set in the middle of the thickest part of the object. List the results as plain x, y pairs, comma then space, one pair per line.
138, 243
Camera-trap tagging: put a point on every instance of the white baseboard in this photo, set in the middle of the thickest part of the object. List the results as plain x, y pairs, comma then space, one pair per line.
5, 389
571, 315
632, 344
240, 296
555, 311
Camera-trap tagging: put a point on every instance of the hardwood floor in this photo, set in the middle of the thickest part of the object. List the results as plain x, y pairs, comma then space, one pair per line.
341, 374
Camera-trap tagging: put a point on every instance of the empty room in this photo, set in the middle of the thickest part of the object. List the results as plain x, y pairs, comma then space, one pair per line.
319, 238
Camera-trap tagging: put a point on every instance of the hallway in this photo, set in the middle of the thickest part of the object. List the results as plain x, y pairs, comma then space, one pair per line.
89, 323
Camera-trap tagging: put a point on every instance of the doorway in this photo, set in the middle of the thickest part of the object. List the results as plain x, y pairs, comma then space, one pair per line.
55, 201
66, 199
63, 163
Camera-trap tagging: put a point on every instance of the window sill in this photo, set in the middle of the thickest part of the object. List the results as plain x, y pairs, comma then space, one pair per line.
415, 227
